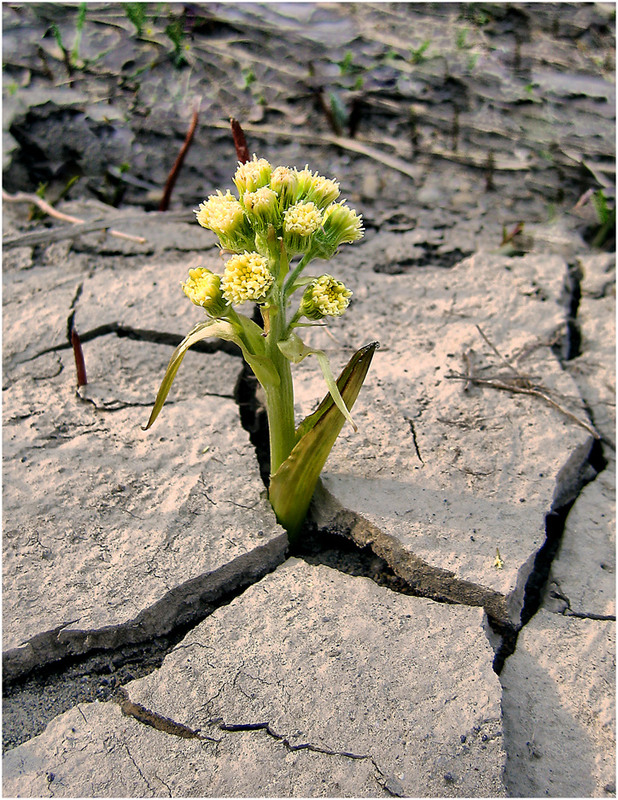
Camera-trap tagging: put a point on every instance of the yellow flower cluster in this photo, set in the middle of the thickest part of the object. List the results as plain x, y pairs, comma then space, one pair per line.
223, 214
302, 219
246, 277
252, 175
325, 297
342, 224
297, 208
203, 288
299, 204
261, 205
314, 188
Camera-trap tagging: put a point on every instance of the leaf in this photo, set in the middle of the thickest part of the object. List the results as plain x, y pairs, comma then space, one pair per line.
294, 349
203, 330
293, 484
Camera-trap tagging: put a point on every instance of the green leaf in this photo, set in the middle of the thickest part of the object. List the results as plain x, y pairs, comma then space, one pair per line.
203, 330
292, 486
295, 350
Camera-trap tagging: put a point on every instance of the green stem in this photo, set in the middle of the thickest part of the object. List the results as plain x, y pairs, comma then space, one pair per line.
279, 399
296, 272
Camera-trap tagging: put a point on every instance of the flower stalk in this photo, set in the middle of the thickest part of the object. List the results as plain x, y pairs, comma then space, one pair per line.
280, 215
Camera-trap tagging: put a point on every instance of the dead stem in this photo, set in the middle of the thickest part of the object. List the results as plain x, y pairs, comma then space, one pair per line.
23, 197
515, 383
240, 143
494, 383
175, 170
338, 141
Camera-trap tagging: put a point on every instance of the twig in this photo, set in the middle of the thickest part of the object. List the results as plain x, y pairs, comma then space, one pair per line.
80, 363
175, 171
493, 383
23, 197
466, 358
519, 384
495, 349
240, 143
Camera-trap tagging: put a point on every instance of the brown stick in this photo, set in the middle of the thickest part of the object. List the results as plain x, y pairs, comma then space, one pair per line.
240, 143
80, 364
174, 172
23, 197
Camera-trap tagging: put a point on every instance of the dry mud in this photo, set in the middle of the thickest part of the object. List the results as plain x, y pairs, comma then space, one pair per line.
452, 604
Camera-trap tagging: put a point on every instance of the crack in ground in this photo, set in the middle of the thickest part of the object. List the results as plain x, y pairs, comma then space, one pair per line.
33, 698
141, 774
568, 611
171, 727
139, 334
565, 351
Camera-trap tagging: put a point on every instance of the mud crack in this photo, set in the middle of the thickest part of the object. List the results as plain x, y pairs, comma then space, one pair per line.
389, 783
169, 726
138, 334
59, 669
154, 720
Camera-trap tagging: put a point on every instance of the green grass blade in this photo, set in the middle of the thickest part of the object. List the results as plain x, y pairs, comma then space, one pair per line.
292, 486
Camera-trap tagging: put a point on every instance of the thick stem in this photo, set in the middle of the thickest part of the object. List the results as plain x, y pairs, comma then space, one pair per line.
280, 410
279, 399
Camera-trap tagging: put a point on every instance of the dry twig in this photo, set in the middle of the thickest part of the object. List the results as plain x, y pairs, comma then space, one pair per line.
23, 197
240, 143
78, 353
517, 384
175, 170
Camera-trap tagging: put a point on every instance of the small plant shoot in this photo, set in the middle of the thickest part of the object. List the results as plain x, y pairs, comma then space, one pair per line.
282, 220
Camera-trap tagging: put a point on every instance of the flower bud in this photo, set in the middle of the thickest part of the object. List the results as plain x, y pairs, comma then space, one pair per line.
284, 181
252, 175
324, 297
202, 287
246, 277
342, 223
224, 215
262, 205
300, 221
316, 189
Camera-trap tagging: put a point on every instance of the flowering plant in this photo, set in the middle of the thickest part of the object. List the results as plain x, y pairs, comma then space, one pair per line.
279, 215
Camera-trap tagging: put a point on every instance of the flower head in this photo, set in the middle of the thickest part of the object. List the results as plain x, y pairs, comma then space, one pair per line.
202, 287
343, 223
284, 181
325, 297
299, 222
224, 215
262, 205
252, 175
316, 189
340, 224
246, 277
